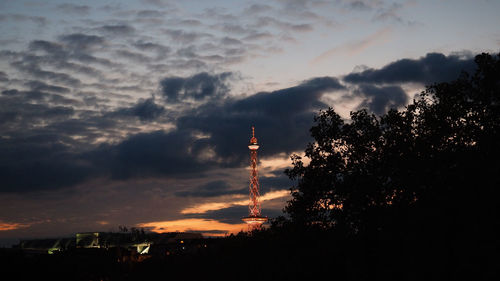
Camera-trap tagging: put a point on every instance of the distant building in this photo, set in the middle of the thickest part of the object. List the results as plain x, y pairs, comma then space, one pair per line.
135, 242
46, 246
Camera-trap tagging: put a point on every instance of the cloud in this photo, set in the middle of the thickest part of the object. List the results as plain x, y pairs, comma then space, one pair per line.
287, 26
380, 99
433, 67
50, 158
391, 13
150, 14
230, 41
238, 201
74, 9
212, 189
3, 77
145, 109
152, 154
257, 9
60, 56
6, 226
197, 87
38, 163
256, 36
160, 50
207, 136
284, 115
359, 5
117, 30
175, 153
35, 71
82, 41
182, 36
190, 22
41, 86
132, 56
208, 227
46, 46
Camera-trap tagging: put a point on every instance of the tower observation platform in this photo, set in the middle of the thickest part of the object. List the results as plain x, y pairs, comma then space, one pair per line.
254, 219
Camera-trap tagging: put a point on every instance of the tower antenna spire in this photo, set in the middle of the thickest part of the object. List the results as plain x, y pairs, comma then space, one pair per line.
254, 219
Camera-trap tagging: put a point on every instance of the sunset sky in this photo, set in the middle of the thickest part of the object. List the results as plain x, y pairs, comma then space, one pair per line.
139, 113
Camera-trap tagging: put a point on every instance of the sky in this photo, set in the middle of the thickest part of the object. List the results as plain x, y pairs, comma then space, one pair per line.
139, 113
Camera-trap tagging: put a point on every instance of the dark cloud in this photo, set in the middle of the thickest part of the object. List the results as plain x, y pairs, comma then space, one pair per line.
213, 135
41, 86
235, 51
132, 56
432, 68
230, 41
278, 182
82, 41
212, 189
274, 22
46, 46
92, 99
86, 58
59, 99
282, 119
182, 36
145, 109
380, 99
152, 154
119, 30
359, 5
3, 77
380, 88
29, 67
257, 9
75, 46
59, 56
188, 52
38, 163
231, 215
39, 96
160, 50
255, 36
190, 22
232, 28
150, 14
197, 87
30, 158
74, 9
301, 27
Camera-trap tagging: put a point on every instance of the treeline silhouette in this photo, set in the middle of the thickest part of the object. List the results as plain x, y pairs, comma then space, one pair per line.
414, 192
409, 195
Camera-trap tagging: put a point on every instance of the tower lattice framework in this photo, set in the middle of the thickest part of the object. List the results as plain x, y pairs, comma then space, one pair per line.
254, 219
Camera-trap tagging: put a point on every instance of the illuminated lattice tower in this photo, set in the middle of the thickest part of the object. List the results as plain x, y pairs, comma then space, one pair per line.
254, 219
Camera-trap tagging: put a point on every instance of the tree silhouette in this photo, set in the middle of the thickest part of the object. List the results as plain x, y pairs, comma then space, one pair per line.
411, 189
437, 156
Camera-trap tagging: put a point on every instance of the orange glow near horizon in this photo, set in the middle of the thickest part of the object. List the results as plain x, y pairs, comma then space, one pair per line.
5, 226
213, 206
205, 226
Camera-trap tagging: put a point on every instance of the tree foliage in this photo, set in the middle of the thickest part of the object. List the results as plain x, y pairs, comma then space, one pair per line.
432, 164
